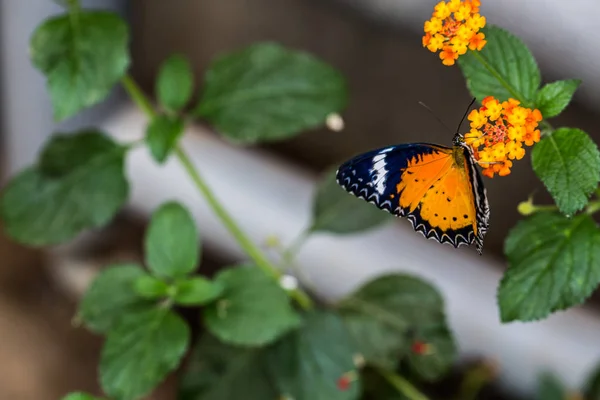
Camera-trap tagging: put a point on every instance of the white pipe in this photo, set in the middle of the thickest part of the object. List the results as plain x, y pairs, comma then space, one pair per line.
269, 196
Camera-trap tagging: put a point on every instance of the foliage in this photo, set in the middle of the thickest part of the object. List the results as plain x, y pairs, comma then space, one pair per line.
263, 340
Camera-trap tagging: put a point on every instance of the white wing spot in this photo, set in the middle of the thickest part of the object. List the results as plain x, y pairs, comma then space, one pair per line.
379, 170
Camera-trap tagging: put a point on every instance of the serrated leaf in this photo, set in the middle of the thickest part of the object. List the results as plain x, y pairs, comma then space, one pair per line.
553, 265
308, 363
332, 205
550, 388
83, 188
554, 97
150, 287
266, 92
110, 296
388, 314
568, 163
220, 372
504, 68
197, 291
172, 242
80, 396
253, 309
175, 82
83, 56
162, 136
140, 351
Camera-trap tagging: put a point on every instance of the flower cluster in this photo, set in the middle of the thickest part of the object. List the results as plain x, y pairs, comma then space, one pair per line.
498, 132
454, 27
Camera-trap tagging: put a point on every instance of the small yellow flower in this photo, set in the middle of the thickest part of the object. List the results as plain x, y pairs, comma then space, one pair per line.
457, 22
515, 150
448, 55
477, 119
477, 42
498, 133
459, 46
454, 5
441, 11
436, 42
463, 13
433, 26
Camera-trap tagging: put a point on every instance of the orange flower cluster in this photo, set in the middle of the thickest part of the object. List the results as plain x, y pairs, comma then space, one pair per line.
454, 27
498, 132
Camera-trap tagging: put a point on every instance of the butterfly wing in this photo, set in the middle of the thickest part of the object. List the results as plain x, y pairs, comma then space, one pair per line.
437, 188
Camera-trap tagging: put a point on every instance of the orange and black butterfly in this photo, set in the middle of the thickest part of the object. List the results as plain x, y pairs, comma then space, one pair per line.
437, 188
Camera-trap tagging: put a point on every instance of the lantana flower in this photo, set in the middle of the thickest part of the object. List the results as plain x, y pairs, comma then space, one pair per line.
498, 133
454, 28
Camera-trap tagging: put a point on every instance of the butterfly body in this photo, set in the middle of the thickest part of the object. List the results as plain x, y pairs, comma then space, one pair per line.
437, 188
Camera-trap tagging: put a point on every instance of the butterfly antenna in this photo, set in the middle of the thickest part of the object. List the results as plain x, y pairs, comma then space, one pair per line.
465, 115
435, 116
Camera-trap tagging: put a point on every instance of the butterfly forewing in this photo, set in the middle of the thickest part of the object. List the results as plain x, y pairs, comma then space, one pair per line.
443, 198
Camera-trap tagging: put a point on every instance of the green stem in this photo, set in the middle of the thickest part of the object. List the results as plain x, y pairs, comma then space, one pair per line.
245, 243
474, 380
593, 207
402, 385
250, 248
138, 97
290, 253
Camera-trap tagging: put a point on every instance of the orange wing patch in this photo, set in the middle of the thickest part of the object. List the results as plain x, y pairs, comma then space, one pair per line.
449, 204
436, 194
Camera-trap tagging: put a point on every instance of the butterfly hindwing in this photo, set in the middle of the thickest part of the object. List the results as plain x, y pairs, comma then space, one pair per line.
437, 188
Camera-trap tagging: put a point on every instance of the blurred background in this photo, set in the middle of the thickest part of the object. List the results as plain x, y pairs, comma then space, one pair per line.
377, 46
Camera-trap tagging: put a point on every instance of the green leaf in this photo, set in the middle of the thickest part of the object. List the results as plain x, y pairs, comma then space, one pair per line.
387, 315
568, 163
80, 396
332, 205
110, 296
504, 68
253, 309
220, 372
66, 152
172, 242
592, 385
553, 265
308, 363
197, 291
175, 82
150, 287
79, 185
266, 92
550, 388
162, 136
554, 97
83, 56
140, 351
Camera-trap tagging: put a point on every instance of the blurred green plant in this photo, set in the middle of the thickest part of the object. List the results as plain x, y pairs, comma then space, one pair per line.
262, 338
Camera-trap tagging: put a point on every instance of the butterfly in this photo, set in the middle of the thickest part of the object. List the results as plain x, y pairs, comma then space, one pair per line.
437, 188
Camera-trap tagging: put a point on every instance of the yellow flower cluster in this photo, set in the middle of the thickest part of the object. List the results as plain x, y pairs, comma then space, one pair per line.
498, 132
454, 27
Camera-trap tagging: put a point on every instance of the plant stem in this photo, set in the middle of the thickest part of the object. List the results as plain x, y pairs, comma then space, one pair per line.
592, 207
138, 97
475, 379
290, 253
245, 243
402, 385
